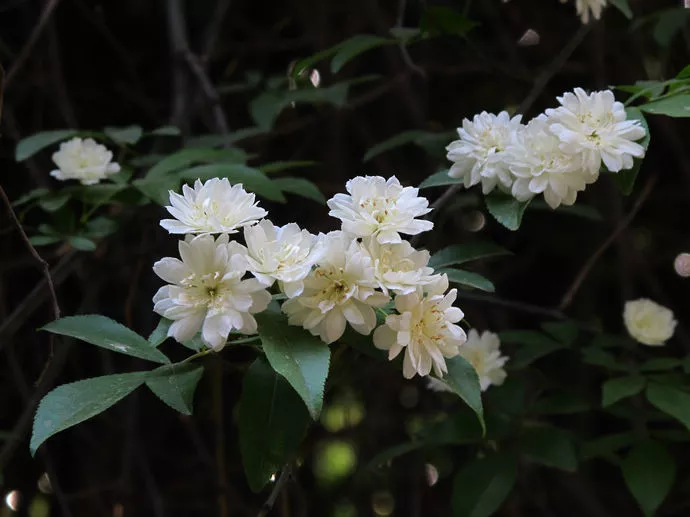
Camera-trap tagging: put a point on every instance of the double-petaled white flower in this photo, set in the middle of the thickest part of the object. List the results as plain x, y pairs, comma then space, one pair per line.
595, 126
479, 154
342, 289
540, 166
212, 207
83, 160
483, 352
380, 208
425, 328
284, 253
648, 322
399, 267
206, 291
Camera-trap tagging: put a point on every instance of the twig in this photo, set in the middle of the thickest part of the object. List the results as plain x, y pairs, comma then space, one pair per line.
210, 92
402, 5
587, 267
277, 489
24, 53
44, 265
213, 31
510, 304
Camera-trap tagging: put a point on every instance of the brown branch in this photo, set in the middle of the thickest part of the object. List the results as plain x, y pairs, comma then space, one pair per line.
277, 489
591, 262
38, 29
210, 92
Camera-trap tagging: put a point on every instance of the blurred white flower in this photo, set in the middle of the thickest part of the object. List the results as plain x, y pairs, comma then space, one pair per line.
425, 328
437, 385
284, 253
342, 289
483, 352
212, 207
83, 160
682, 265
595, 126
479, 154
398, 267
540, 166
207, 292
380, 208
584, 7
648, 322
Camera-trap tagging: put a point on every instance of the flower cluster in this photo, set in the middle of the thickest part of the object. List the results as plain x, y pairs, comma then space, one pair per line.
556, 154
83, 160
330, 280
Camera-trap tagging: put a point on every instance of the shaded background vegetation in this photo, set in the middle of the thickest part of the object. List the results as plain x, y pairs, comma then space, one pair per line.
129, 62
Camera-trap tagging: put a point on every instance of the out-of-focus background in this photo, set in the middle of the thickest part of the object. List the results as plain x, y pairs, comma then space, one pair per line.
201, 66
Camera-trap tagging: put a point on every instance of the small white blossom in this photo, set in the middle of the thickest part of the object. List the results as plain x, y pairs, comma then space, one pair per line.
380, 208
483, 352
648, 322
207, 292
595, 126
584, 7
342, 289
425, 328
212, 207
540, 166
284, 253
479, 154
83, 160
399, 267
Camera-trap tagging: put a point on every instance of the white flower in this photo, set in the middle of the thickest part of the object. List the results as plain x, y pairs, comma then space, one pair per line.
380, 208
595, 126
207, 291
399, 267
483, 352
212, 207
284, 253
479, 154
425, 328
540, 166
342, 289
83, 160
648, 322
584, 7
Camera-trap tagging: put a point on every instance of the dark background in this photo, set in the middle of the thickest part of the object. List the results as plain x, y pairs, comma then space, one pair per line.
112, 63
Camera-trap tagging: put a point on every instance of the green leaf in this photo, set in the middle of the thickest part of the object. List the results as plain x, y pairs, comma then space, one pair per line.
106, 333
406, 137
355, 46
82, 243
251, 179
300, 187
185, 157
96, 194
100, 227
506, 209
467, 278
71, 404
31, 195
623, 7
272, 423
44, 240
461, 253
669, 24
160, 333
625, 179
598, 357
560, 404
175, 384
158, 190
272, 167
550, 446
684, 73
298, 356
534, 346
463, 380
167, 131
54, 201
676, 106
124, 135
670, 400
439, 179
30, 145
621, 388
481, 486
440, 20
661, 363
606, 445
564, 331
649, 472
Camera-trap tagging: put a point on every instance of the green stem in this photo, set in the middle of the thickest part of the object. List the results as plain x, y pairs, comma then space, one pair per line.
196, 356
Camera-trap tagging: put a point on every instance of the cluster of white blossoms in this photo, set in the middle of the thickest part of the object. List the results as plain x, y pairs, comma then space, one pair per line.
330, 280
556, 154
83, 160
648, 322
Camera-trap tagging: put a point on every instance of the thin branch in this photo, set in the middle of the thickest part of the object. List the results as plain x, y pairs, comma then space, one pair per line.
591, 262
402, 6
527, 308
277, 489
44, 265
210, 92
38, 29
214, 27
